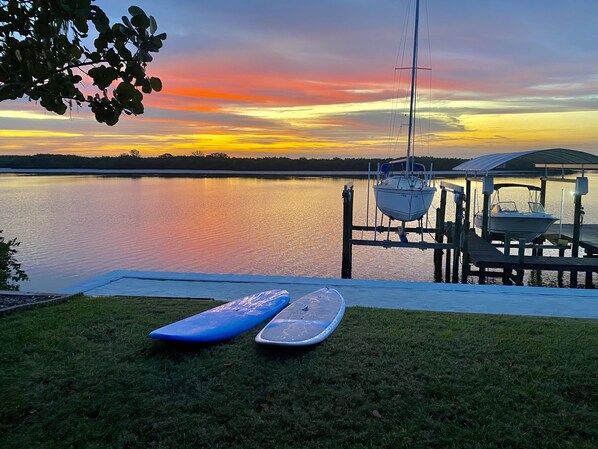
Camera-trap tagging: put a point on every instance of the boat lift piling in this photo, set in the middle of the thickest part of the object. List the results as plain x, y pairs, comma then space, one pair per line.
439, 236
347, 260
439, 231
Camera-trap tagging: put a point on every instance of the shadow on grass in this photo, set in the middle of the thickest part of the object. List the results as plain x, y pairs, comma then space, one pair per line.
278, 353
174, 349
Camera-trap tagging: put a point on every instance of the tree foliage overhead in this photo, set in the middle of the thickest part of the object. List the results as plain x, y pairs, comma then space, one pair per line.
49, 47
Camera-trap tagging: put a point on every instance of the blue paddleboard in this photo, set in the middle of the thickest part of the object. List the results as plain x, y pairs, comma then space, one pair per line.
306, 321
226, 321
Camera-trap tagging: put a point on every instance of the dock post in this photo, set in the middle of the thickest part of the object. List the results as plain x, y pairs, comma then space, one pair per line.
507, 272
543, 191
520, 259
576, 236
589, 280
439, 236
447, 267
560, 272
442, 209
467, 203
576, 226
466, 227
457, 236
347, 260
487, 189
465, 246
482, 276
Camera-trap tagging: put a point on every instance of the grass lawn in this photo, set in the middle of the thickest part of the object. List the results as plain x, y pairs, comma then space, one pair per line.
84, 374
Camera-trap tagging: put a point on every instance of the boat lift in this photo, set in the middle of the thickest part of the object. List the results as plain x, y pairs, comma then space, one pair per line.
440, 229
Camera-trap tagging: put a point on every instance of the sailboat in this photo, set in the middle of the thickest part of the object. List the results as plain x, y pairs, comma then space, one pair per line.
404, 189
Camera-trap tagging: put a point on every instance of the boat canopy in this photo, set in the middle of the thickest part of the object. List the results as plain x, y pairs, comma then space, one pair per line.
513, 184
560, 156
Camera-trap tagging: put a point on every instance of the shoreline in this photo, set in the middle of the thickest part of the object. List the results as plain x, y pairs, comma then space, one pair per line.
422, 296
224, 173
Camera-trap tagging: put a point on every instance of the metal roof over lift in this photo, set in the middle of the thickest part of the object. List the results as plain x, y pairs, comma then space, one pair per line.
554, 158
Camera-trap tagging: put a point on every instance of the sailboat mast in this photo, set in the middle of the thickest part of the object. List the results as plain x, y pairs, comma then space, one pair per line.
411, 136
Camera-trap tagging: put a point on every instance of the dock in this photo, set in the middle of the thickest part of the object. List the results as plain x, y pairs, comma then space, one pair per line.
484, 256
588, 239
461, 247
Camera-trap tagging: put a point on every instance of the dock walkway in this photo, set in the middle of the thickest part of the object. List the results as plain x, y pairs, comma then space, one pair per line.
588, 236
484, 255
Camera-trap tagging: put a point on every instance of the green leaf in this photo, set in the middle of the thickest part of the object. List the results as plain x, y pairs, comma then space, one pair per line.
127, 22
140, 21
146, 87
136, 11
153, 25
113, 58
103, 76
76, 51
101, 21
144, 56
156, 84
137, 108
100, 44
95, 57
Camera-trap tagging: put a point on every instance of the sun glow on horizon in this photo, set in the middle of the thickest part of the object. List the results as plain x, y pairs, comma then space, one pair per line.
287, 81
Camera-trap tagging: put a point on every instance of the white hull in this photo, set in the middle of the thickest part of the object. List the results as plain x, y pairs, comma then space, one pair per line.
518, 225
405, 199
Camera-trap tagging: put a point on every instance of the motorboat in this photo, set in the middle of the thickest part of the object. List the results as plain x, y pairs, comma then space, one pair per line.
505, 220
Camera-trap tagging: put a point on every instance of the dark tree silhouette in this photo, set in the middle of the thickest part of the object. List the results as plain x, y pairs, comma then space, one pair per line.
45, 55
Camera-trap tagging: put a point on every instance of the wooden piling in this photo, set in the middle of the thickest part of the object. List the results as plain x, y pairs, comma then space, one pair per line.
457, 236
467, 203
439, 235
465, 234
559, 275
485, 233
576, 236
447, 267
438, 252
543, 191
347, 258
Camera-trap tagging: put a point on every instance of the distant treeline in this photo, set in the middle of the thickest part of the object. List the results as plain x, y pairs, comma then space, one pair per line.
217, 161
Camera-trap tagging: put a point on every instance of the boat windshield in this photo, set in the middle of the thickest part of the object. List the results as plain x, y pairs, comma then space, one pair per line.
505, 206
535, 207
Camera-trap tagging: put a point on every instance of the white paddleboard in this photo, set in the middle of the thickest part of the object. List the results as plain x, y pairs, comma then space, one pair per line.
306, 321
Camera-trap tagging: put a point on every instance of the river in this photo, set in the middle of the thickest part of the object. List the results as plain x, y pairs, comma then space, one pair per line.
78, 226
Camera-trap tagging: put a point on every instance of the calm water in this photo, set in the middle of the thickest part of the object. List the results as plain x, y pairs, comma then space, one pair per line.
75, 227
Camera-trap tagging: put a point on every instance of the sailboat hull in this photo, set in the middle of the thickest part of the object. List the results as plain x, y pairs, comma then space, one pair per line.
404, 203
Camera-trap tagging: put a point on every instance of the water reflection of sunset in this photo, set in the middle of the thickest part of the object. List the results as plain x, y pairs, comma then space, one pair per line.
84, 226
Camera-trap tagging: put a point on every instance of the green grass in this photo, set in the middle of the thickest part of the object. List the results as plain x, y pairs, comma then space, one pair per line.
83, 374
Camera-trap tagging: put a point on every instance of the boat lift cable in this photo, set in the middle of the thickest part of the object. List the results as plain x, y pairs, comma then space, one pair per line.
394, 135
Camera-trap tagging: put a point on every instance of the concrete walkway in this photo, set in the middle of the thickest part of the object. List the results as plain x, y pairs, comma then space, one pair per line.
467, 298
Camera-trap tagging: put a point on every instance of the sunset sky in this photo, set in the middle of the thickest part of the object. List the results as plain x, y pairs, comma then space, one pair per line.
317, 78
